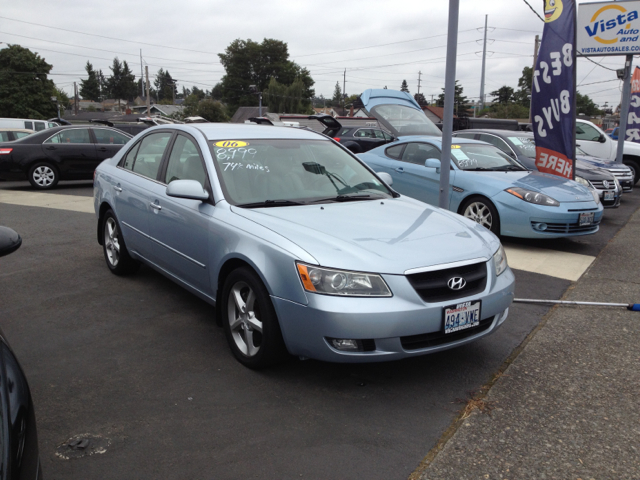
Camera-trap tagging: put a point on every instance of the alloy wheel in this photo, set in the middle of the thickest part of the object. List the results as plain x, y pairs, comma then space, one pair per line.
480, 213
111, 243
243, 317
44, 176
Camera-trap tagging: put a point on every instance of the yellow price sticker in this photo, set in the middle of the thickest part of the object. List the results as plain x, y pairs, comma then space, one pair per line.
231, 144
455, 146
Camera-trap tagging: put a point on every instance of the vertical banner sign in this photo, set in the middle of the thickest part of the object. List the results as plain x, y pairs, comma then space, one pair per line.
553, 95
633, 120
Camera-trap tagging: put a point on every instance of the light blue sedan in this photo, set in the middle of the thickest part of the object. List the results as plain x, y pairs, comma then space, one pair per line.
489, 187
300, 246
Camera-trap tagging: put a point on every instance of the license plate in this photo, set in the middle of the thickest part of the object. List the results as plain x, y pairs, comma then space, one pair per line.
461, 316
586, 219
608, 196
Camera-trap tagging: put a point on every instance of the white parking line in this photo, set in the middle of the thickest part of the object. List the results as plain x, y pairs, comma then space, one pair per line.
47, 200
568, 266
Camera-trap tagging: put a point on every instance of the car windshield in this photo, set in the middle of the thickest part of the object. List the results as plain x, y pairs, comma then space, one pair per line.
475, 156
257, 173
406, 120
524, 146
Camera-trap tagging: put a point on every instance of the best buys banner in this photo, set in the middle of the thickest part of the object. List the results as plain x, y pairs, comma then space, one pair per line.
552, 98
633, 120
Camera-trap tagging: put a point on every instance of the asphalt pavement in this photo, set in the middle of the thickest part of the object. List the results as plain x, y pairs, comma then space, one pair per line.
139, 366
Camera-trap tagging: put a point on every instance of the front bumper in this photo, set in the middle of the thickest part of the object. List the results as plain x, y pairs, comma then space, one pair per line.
392, 327
520, 219
615, 203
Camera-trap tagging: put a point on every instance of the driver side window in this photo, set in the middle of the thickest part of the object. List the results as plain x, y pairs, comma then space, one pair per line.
586, 132
418, 153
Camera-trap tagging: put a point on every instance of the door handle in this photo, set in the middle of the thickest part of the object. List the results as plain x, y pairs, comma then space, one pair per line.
117, 188
400, 170
51, 148
102, 149
155, 206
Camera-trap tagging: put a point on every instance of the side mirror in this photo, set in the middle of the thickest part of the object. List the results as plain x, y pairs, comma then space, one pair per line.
10, 241
432, 163
385, 177
190, 189
602, 138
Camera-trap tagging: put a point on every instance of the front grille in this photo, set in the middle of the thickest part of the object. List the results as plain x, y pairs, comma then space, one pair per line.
597, 184
568, 227
621, 173
432, 286
426, 340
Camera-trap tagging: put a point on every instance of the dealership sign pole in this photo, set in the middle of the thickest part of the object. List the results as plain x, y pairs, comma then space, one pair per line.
449, 97
613, 28
553, 98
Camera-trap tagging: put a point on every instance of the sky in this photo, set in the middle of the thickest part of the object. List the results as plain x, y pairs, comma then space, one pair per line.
378, 42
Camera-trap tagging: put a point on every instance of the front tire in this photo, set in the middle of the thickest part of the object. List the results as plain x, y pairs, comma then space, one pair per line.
635, 168
115, 252
43, 176
482, 211
250, 322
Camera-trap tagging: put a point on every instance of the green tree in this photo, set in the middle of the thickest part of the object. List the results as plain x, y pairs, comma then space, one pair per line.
25, 90
503, 95
586, 106
419, 97
249, 63
460, 102
165, 87
212, 110
404, 87
336, 100
122, 82
90, 88
62, 98
522, 96
506, 110
283, 98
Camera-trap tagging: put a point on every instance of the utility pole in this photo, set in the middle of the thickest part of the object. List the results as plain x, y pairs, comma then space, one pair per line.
535, 61
75, 97
419, 75
146, 70
173, 93
484, 61
624, 107
344, 82
141, 76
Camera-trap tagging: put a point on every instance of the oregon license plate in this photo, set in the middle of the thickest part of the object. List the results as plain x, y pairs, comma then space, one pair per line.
586, 219
608, 196
461, 316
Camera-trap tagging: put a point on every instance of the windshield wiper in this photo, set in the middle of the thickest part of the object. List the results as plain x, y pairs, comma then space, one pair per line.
477, 169
509, 167
347, 198
270, 203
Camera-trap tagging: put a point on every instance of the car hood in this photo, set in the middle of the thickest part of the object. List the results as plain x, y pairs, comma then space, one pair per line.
602, 163
389, 236
556, 187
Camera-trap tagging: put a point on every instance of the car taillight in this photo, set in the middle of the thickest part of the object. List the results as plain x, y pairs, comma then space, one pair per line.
337, 139
5, 151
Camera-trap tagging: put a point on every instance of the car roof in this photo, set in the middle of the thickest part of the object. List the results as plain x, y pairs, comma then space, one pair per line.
437, 140
497, 131
16, 130
235, 131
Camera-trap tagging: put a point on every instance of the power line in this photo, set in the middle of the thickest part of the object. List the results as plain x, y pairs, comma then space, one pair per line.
537, 14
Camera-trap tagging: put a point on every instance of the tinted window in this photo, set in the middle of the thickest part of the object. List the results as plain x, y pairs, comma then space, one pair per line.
466, 135
110, 137
4, 137
149, 155
130, 157
344, 131
395, 152
74, 135
419, 152
364, 133
51, 124
28, 125
586, 132
480, 156
378, 134
185, 162
406, 120
40, 126
21, 134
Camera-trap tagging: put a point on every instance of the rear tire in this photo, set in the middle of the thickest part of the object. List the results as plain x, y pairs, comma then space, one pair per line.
635, 167
250, 322
43, 176
115, 252
482, 211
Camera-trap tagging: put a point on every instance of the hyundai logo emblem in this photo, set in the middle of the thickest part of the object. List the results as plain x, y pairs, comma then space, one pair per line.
456, 283
605, 183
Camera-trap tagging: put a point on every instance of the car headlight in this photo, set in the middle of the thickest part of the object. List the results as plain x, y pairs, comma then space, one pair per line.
585, 182
341, 282
533, 197
500, 260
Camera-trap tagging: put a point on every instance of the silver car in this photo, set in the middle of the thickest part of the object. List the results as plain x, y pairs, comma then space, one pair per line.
301, 247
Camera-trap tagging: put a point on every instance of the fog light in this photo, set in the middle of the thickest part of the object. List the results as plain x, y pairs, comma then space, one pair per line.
540, 226
345, 344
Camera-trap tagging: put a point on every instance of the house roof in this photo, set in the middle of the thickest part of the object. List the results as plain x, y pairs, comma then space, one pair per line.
245, 113
437, 111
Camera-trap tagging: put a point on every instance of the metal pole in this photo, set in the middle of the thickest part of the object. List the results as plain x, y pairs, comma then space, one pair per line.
146, 70
75, 97
344, 85
449, 97
141, 76
419, 75
535, 60
259, 104
624, 110
484, 61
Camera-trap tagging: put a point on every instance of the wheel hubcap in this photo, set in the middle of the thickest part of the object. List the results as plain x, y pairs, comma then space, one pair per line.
43, 176
480, 213
242, 314
111, 243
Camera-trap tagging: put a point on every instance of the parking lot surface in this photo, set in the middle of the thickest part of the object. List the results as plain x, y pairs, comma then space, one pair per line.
140, 363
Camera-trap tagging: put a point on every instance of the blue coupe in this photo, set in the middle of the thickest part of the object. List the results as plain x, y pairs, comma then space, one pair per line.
300, 246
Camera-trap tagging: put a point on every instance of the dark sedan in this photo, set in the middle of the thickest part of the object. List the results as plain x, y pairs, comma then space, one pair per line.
20, 458
521, 146
60, 153
358, 139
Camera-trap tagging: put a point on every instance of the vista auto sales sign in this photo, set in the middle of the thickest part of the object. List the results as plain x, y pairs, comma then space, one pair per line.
609, 28
552, 98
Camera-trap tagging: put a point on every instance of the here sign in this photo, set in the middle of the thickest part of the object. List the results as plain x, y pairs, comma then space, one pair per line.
608, 28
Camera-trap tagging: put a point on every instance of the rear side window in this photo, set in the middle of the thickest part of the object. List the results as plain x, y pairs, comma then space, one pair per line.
498, 142
21, 134
364, 133
74, 135
110, 137
418, 153
4, 137
28, 125
586, 132
149, 154
395, 152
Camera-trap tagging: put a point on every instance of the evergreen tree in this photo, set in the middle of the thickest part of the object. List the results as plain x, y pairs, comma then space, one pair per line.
283, 98
337, 95
90, 88
503, 95
404, 87
460, 102
165, 86
122, 82
419, 97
